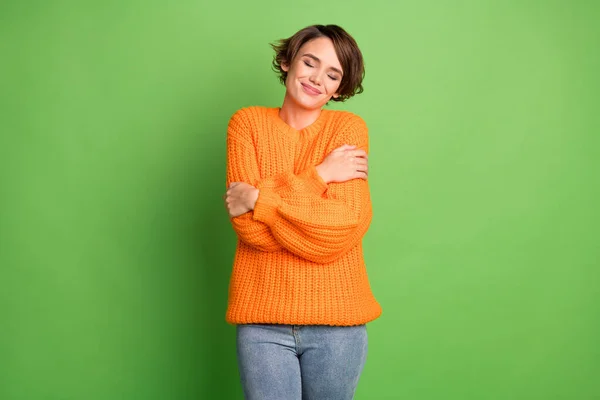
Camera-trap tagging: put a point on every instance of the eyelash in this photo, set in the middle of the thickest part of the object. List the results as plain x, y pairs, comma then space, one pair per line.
311, 66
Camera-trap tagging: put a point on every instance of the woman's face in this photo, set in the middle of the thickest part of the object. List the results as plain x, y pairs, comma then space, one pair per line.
314, 75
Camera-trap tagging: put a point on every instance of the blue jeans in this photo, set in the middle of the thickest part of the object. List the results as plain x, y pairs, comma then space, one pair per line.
300, 362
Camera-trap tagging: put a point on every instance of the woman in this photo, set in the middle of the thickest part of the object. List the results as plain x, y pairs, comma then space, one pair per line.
299, 203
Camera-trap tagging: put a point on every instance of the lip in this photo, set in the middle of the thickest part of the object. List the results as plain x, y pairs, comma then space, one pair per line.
310, 90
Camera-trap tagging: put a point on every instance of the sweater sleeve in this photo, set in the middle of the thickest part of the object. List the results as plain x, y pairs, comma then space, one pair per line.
320, 228
243, 167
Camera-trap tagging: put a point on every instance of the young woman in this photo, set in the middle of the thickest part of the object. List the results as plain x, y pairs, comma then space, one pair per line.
298, 198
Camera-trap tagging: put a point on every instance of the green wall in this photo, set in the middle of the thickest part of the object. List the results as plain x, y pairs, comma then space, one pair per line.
115, 248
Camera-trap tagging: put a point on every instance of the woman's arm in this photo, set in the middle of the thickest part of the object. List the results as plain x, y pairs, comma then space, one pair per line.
303, 222
320, 229
243, 167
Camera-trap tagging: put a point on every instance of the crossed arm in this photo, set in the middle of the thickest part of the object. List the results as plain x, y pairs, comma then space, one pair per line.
300, 213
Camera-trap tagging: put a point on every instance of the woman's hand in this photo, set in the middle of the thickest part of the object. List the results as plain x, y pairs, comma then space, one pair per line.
343, 164
240, 198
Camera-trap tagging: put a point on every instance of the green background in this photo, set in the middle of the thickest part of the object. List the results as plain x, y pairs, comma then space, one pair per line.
116, 250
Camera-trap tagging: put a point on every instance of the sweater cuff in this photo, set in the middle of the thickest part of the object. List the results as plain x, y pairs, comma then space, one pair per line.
314, 180
266, 206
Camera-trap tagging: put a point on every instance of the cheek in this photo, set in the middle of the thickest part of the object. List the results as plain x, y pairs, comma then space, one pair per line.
333, 87
301, 70
293, 75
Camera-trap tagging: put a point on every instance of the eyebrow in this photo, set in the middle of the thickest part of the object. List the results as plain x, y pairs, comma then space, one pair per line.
317, 59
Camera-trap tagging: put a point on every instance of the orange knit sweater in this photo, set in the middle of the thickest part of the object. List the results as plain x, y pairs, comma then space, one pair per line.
299, 257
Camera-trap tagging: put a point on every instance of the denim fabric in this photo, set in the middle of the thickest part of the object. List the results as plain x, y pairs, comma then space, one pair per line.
300, 362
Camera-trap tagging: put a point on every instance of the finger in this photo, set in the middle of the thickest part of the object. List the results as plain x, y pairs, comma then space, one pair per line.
233, 184
362, 167
345, 147
355, 160
361, 175
358, 153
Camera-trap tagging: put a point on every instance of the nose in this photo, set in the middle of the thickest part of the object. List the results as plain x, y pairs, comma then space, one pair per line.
316, 78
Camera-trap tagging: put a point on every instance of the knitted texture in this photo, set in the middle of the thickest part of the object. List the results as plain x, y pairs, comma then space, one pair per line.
299, 256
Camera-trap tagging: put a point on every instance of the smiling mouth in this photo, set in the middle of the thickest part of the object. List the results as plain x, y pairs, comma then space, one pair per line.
310, 89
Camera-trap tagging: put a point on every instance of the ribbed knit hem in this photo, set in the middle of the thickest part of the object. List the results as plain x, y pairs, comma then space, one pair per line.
266, 206
357, 318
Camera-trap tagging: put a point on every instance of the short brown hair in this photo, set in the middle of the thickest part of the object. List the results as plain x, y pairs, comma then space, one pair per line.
345, 47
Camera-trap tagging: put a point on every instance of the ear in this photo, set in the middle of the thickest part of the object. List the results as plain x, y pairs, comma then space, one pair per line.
285, 66
336, 95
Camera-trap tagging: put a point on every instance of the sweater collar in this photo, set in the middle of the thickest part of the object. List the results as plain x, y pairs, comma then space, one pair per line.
285, 128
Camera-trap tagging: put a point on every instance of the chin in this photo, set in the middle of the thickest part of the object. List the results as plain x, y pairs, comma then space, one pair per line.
304, 100
310, 103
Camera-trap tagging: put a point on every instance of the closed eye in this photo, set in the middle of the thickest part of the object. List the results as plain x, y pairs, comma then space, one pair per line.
308, 64
333, 78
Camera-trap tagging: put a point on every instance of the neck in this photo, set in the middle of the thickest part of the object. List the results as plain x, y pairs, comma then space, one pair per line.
296, 116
